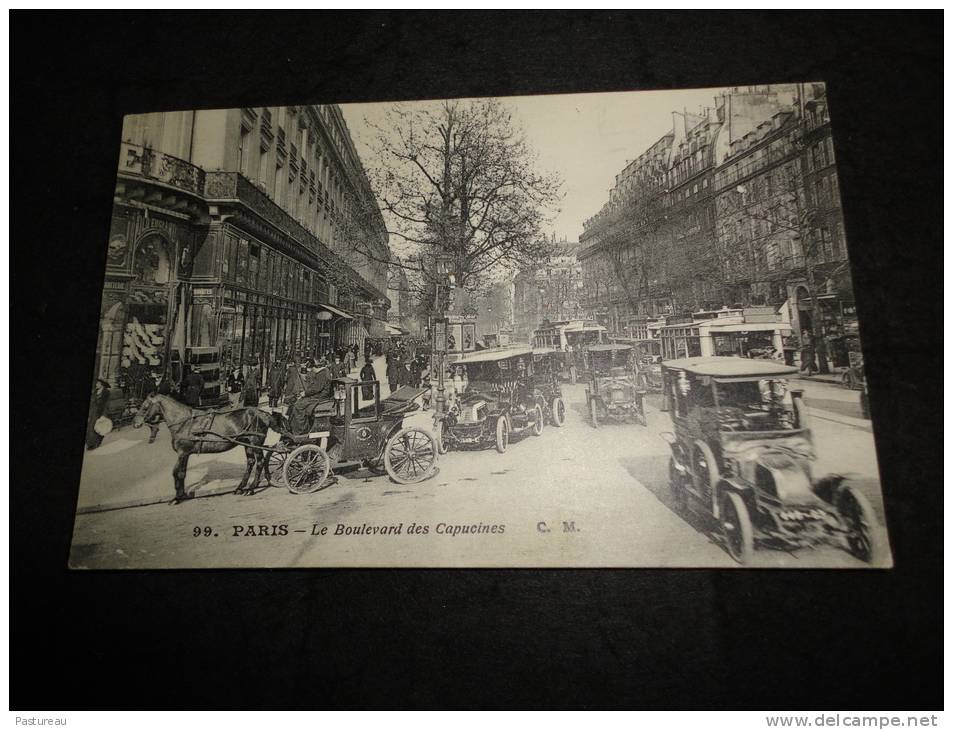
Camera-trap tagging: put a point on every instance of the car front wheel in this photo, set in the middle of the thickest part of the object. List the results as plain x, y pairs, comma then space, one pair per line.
736, 528
502, 434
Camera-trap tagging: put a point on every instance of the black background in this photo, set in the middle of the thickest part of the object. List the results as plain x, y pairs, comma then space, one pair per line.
463, 638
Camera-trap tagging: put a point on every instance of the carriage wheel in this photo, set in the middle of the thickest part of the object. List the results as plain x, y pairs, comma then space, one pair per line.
410, 455
276, 468
558, 409
306, 469
538, 423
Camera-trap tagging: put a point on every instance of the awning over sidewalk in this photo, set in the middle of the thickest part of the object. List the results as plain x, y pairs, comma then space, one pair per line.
394, 331
378, 328
338, 312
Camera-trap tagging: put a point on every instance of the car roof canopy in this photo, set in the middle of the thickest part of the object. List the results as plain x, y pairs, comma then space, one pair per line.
731, 367
609, 348
494, 354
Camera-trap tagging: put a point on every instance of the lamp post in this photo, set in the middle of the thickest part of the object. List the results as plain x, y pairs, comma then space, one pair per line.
444, 278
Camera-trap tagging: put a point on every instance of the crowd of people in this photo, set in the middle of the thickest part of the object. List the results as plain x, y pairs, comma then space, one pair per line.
298, 383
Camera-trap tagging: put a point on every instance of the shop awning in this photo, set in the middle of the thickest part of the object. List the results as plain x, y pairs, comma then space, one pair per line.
338, 312
392, 330
377, 328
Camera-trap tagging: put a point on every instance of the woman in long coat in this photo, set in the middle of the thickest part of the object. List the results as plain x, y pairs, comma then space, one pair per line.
97, 409
294, 384
250, 395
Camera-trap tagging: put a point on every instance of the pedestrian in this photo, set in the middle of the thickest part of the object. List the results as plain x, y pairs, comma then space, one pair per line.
807, 353
367, 375
192, 388
235, 384
415, 367
406, 375
393, 373
459, 386
250, 393
294, 384
276, 383
337, 367
97, 410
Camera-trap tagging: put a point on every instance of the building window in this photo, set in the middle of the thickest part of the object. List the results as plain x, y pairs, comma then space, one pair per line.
254, 261
244, 151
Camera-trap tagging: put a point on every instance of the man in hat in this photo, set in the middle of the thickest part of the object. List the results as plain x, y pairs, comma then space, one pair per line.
317, 390
294, 385
276, 383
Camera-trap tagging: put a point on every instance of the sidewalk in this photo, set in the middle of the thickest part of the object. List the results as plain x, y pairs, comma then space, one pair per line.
834, 378
128, 471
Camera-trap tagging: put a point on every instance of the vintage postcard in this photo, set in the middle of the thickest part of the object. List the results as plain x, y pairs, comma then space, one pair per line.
593, 330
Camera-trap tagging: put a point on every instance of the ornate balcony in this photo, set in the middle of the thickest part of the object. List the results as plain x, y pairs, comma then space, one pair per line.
150, 164
232, 190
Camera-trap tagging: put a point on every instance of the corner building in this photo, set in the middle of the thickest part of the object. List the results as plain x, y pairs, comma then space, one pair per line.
238, 237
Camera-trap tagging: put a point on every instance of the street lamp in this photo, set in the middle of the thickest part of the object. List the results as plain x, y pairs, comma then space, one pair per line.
444, 277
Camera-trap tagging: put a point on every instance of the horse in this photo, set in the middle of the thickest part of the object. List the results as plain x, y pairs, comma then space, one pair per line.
202, 432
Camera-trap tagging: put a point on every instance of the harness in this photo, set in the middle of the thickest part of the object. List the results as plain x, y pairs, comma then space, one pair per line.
202, 425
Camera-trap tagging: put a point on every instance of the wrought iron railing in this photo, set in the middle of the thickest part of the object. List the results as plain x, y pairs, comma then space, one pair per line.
154, 165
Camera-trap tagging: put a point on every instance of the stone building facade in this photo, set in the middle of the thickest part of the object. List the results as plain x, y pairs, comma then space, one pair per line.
736, 206
550, 292
238, 237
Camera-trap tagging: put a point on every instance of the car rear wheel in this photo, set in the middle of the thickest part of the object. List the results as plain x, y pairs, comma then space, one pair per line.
502, 434
558, 409
440, 433
676, 483
538, 423
736, 528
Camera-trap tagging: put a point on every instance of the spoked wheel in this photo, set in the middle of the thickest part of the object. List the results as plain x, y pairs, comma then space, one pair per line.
443, 439
676, 484
558, 409
502, 434
276, 468
410, 456
863, 541
538, 423
736, 528
306, 469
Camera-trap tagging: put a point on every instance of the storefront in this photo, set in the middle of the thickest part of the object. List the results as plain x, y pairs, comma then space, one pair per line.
144, 304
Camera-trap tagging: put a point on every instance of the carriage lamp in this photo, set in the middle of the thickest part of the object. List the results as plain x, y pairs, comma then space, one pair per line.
340, 391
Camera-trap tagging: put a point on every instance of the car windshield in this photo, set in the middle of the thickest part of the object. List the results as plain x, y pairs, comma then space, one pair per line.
755, 405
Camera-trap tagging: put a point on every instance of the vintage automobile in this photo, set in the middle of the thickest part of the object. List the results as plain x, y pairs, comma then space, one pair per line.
498, 401
547, 366
613, 390
649, 375
742, 452
360, 430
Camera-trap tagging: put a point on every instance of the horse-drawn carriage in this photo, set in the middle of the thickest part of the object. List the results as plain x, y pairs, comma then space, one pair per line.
361, 430
354, 428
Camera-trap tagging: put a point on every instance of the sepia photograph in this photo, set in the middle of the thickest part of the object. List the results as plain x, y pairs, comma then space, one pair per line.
566, 330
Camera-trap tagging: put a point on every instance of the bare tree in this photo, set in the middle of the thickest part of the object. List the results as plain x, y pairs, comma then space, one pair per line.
458, 179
